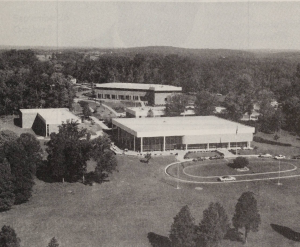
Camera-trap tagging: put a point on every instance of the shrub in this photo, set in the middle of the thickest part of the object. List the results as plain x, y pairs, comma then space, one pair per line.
240, 162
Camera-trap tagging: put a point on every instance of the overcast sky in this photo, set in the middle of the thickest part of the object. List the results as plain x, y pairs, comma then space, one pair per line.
254, 25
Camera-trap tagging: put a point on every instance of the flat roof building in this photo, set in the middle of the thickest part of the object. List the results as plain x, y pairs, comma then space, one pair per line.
151, 94
45, 121
184, 133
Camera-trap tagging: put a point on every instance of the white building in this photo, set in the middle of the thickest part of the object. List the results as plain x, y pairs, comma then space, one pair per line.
184, 133
152, 94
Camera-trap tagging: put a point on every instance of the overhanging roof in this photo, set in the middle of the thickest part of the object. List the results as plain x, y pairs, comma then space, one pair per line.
180, 126
138, 86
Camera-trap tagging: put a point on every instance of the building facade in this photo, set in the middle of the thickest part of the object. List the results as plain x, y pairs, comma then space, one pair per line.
151, 94
180, 133
45, 121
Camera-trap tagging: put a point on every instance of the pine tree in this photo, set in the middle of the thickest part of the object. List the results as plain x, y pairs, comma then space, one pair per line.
8, 237
246, 214
53, 243
183, 229
7, 197
213, 226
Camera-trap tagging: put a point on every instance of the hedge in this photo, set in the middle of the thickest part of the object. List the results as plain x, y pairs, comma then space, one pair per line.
262, 140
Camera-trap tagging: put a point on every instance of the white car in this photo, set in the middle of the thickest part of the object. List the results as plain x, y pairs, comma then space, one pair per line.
226, 178
279, 157
244, 169
265, 156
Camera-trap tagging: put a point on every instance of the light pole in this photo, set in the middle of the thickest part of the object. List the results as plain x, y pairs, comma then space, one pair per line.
177, 187
278, 182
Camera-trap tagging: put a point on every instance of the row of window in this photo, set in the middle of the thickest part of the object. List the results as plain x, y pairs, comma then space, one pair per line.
117, 96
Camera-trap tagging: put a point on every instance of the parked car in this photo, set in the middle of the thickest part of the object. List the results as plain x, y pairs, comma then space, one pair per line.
279, 157
265, 156
216, 157
226, 178
244, 169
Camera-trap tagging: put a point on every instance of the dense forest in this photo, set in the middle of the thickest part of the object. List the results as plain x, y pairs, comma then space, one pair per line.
243, 77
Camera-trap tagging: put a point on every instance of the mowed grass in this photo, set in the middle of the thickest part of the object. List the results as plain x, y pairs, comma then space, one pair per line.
220, 168
140, 199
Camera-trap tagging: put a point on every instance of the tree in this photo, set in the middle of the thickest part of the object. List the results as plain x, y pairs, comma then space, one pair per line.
32, 149
240, 162
7, 197
183, 229
86, 111
68, 152
246, 214
147, 157
175, 105
22, 170
205, 103
105, 158
53, 243
7, 135
213, 226
150, 113
8, 237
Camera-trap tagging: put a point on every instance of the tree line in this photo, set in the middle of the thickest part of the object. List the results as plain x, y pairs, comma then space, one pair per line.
21, 160
214, 225
242, 77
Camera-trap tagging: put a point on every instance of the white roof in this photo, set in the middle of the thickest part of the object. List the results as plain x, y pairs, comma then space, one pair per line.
53, 115
180, 126
139, 86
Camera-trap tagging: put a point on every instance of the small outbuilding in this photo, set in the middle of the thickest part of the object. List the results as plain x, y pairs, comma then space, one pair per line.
45, 121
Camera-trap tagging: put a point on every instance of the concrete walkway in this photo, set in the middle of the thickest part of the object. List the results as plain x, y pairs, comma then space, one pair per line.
102, 125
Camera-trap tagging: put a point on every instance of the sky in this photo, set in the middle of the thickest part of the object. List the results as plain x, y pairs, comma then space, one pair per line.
204, 25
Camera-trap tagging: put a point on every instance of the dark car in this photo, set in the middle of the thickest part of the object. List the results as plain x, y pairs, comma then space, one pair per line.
296, 157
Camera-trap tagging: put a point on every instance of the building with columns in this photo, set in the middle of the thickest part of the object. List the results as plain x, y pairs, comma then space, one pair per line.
180, 133
151, 94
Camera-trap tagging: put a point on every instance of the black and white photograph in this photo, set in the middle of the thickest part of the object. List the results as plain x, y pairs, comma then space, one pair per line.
149, 123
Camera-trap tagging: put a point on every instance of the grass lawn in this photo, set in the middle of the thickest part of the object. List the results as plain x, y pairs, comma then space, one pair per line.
140, 199
220, 168
7, 123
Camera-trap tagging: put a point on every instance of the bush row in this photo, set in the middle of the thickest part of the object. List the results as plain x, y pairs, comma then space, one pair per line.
262, 140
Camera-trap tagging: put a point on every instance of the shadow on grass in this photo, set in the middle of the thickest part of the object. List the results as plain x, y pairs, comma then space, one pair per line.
91, 178
157, 240
234, 235
286, 232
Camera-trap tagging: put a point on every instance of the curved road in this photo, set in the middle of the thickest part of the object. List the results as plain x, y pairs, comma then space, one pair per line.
188, 178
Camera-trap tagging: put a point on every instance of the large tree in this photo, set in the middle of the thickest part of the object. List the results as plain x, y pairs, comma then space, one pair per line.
8, 237
105, 158
7, 197
205, 103
175, 105
68, 152
86, 111
22, 170
213, 226
183, 229
246, 214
